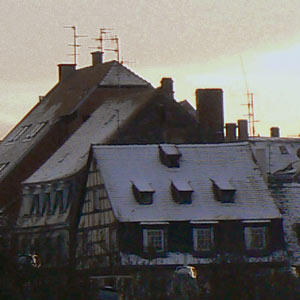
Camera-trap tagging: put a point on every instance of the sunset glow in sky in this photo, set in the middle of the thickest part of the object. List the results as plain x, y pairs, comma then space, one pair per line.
199, 43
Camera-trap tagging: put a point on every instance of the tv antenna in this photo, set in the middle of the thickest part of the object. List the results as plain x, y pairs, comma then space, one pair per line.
105, 35
75, 45
250, 103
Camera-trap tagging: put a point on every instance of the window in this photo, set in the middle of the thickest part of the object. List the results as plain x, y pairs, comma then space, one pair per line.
58, 201
154, 240
46, 204
181, 192
18, 134
169, 155
143, 192
255, 238
35, 207
283, 149
35, 131
203, 239
223, 191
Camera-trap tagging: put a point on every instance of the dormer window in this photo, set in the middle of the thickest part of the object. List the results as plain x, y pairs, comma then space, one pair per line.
35, 131
283, 149
18, 134
169, 155
143, 192
181, 191
223, 190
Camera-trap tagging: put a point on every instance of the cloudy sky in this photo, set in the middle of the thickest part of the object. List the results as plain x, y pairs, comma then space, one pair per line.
199, 43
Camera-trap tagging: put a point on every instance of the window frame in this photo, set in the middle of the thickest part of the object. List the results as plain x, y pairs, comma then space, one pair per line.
146, 244
249, 232
211, 234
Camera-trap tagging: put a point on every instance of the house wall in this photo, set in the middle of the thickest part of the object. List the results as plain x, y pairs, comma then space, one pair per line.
161, 121
228, 240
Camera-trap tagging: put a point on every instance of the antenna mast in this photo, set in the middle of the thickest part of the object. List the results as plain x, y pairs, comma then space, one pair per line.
250, 101
105, 35
75, 45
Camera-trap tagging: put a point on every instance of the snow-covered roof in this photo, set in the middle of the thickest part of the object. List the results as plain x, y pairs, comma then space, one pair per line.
72, 156
62, 100
287, 197
279, 152
120, 165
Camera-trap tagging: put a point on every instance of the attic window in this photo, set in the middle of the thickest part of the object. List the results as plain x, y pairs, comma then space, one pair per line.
169, 155
142, 192
283, 149
3, 166
181, 192
35, 130
223, 191
18, 134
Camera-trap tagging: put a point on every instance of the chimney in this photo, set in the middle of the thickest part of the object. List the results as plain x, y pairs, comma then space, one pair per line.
209, 103
166, 85
97, 58
275, 132
243, 130
65, 70
230, 132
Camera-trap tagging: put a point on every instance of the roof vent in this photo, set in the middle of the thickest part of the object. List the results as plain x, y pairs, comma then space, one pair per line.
169, 155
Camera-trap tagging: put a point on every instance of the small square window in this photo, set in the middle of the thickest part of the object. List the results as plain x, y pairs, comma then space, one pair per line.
154, 240
203, 239
255, 238
283, 149
35, 207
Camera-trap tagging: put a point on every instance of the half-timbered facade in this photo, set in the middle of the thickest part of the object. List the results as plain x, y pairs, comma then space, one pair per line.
168, 205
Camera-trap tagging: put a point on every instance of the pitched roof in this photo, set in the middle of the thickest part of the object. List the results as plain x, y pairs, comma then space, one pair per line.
120, 165
280, 152
72, 156
62, 100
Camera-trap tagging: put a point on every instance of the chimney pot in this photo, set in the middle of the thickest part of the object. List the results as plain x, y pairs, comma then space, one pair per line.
275, 132
243, 130
97, 58
65, 70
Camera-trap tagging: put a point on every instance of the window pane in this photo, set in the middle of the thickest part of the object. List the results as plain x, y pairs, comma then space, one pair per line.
203, 239
154, 240
255, 238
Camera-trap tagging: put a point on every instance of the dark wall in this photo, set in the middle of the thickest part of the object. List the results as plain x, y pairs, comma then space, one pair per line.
161, 121
228, 238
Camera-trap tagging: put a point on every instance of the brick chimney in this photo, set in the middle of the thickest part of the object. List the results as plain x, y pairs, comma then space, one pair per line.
243, 130
65, 70
275, 132
209, 104
166, 85
97, 58
230, 132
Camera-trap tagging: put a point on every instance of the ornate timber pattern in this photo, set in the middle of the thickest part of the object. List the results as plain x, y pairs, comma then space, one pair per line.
97, 229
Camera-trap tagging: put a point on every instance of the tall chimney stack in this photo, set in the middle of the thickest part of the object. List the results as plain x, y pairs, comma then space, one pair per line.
275, 132
97, 58
209, 103
166, 85
230, 132
243, 130
65, 70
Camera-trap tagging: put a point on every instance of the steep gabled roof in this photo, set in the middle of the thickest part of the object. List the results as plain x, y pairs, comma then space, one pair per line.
113, 113
199, 164
62, 100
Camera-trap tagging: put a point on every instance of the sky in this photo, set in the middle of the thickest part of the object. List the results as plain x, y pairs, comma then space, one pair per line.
235, 45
